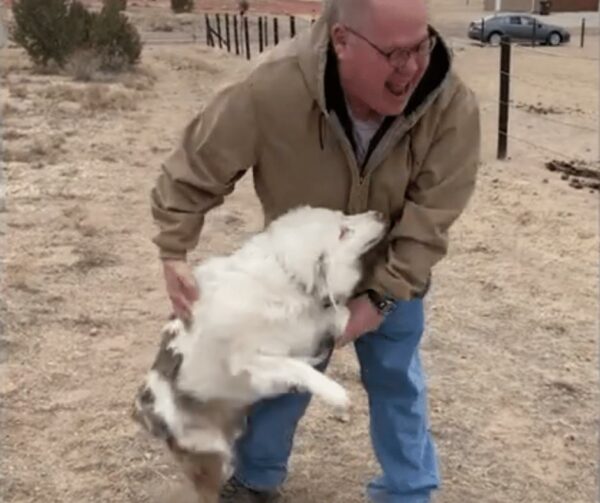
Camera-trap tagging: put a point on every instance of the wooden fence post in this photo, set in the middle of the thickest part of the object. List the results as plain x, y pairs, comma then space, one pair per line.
266, 29
505, 48
227, 34
292, 26
236, 38
247, 37
260, 34
275, 30
219, 31
582, 40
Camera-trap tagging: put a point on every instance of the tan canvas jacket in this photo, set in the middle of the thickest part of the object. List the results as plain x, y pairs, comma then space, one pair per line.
283, 120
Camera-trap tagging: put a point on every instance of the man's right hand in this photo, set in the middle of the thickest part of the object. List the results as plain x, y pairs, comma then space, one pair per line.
181, 287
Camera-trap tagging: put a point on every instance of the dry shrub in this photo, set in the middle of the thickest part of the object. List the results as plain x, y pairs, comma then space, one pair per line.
98, 98
93, 97
84, 65
47, 149
17, 91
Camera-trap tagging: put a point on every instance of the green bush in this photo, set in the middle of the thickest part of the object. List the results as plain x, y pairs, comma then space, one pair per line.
122, 4
115, 39
49, 30
182, 5
52, 31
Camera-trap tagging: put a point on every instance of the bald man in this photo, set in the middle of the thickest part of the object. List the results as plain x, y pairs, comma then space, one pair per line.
362, 111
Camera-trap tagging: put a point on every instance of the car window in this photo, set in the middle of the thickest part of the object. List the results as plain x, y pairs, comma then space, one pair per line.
514, 20
527, 20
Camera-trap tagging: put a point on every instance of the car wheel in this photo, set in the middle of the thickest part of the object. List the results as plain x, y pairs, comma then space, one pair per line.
554, 38
495, 39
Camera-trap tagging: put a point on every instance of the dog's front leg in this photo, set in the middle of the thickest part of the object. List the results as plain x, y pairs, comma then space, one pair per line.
276, 375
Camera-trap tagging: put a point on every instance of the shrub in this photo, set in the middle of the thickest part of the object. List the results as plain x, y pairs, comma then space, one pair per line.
182, 5
49, 30
53, 31
121, 4
115, 40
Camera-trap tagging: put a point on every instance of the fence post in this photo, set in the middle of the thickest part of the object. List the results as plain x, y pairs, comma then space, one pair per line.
227, 34
260, 34
505, 48
275, 30
582, 41
292, 26
533, 32
219, 31
236, 38
209, 39
247, 37
266, 28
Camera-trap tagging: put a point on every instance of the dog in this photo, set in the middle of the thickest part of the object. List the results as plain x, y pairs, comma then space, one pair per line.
266, 315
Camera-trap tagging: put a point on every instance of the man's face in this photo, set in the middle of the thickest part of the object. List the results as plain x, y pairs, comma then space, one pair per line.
382, 60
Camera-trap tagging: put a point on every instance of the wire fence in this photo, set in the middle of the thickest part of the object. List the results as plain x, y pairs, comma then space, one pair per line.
249, 35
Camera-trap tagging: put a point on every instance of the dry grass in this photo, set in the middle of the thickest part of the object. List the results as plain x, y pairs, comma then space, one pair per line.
83, 66
49, 149
90, 257
17, 90
93, 97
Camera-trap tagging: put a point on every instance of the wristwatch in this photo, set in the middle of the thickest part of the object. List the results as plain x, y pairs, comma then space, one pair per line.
382, 303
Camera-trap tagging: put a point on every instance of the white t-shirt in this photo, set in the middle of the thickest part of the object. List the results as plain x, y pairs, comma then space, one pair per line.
363, 132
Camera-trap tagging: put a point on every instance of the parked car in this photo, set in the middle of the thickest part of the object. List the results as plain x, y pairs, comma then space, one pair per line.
519, 27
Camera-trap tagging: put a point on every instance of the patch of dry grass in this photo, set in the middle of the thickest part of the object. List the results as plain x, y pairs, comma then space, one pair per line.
17, 90
84, 66
93, 97
49, 149
92, 258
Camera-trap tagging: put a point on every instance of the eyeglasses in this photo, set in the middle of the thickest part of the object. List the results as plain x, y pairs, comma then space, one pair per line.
399, 56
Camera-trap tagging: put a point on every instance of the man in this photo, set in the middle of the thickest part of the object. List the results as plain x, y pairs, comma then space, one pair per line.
363, 111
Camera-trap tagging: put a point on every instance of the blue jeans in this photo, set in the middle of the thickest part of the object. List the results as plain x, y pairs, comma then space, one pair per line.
394, 381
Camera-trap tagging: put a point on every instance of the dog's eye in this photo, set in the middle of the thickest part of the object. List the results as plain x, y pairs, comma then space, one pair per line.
345, 231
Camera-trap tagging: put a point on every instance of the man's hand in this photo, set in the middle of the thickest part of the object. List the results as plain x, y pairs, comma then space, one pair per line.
181, 287
364, 317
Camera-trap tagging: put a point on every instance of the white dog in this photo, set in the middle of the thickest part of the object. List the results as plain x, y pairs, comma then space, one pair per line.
266, 314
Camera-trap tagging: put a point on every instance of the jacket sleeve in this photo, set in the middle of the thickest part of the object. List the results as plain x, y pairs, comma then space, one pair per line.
215, 150
434, 200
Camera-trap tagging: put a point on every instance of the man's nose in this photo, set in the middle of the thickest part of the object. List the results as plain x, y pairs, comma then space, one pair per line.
410, 65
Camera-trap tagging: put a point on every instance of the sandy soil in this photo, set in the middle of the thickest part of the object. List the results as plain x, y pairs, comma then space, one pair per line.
511, 350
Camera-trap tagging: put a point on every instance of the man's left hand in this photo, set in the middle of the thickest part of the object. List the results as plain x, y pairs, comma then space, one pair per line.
364, 317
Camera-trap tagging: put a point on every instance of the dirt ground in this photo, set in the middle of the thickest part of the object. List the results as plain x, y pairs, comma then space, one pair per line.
512, 344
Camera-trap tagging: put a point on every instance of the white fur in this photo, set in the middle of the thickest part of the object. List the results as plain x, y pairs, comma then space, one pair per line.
262, 314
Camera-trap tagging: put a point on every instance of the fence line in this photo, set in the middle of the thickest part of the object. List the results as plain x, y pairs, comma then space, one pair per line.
539, 147
542, 52
511, 104
261, 42
545, 86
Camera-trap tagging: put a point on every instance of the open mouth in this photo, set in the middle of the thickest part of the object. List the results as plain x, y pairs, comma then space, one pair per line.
399, 91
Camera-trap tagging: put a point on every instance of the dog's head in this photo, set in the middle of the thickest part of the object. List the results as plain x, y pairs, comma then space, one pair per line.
322, 248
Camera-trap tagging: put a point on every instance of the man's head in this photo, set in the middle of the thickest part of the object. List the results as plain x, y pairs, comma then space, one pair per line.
383, 49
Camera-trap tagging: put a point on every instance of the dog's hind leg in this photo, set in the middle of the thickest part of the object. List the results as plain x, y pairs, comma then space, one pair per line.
205, 471
275, 375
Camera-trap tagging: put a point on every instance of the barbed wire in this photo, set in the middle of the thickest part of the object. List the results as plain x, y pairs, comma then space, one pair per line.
540, 147
545, 86
518, 47
541, 52
545, 118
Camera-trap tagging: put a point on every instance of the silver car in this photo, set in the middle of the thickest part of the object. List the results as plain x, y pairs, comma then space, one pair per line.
519, 27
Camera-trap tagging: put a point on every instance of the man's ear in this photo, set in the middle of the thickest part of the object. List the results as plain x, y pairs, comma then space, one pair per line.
339, 38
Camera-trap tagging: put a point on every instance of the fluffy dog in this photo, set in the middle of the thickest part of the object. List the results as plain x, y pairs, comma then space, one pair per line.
266, 314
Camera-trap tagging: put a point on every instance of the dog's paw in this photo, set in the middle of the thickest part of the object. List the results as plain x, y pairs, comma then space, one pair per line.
336, 395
